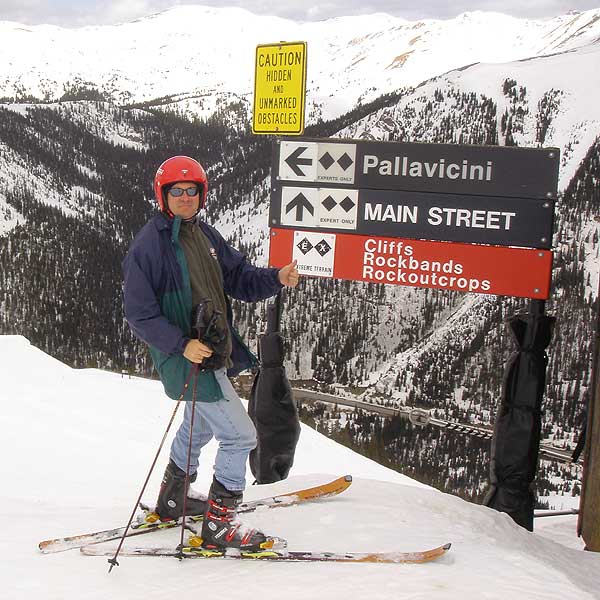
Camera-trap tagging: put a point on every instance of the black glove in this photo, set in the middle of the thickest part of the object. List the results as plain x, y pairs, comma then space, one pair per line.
210, 327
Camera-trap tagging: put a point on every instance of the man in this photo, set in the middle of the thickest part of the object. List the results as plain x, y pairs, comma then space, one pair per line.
178, 275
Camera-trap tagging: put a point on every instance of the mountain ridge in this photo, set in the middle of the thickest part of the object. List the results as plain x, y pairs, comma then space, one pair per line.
75, 185
151, 57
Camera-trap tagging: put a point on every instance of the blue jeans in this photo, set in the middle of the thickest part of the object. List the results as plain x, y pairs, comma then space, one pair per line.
226, 420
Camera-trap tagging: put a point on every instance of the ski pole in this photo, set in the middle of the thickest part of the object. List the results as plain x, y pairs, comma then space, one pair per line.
179, 554
113, 561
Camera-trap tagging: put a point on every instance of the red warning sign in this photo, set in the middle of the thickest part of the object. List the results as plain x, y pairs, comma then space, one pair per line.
521, 272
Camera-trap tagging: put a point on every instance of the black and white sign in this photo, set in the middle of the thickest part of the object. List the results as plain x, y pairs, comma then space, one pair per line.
317, 162
297, 161
416, 215
338, 208
439, 168
336, 163
310, 208
299, 207
454, 218
315, 253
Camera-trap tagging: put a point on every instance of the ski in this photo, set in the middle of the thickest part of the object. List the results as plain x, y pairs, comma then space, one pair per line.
422, 556
150, 521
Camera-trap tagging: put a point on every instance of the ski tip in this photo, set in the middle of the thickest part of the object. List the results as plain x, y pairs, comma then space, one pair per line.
348, 478
447, 547
46, 546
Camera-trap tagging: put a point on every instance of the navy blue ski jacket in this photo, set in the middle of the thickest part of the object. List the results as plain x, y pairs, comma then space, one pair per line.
157, 298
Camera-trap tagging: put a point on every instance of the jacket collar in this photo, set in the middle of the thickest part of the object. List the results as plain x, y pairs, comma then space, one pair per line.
164, 223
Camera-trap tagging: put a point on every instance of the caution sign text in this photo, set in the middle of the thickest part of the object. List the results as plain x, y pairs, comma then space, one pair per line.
279, 88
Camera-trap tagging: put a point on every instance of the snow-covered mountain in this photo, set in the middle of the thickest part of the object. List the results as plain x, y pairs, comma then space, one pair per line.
75, 186
550, 101
197, 57
77, 446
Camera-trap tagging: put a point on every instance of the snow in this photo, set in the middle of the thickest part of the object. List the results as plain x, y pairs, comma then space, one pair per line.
9, 217
384, 379
200, 50
578, 117
560, 529
78, 443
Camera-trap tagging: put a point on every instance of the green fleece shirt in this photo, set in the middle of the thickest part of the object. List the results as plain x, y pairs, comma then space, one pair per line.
206, 278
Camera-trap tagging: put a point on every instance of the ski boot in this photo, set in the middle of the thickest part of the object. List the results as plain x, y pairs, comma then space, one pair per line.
221, 530
169, 505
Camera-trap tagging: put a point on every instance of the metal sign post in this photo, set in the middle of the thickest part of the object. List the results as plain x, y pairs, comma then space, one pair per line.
588, 525
516, 440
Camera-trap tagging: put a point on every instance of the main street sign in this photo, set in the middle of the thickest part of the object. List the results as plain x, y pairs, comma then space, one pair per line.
419, 215
438, 168
279, 88
416, 263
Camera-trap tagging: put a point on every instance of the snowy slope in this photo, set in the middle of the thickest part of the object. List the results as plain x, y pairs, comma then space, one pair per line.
574, 118
200, 56
77, 444
566, 80
43, 183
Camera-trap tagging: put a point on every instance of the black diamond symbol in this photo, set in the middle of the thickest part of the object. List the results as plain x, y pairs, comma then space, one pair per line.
329, 203
323, 247
326, 160
304, 246
347, 204
344, 161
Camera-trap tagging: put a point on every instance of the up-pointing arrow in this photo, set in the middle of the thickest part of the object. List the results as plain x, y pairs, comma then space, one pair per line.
294, 161
300, 202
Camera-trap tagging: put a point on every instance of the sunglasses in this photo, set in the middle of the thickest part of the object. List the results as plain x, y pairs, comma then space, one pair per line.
177, 192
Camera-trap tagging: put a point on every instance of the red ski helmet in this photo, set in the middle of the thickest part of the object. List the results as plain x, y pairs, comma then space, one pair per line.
179, 168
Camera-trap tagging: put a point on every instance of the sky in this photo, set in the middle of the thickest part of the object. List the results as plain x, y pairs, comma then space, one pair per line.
70, 13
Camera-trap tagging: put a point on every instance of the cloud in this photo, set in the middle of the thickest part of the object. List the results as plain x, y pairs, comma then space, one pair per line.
119, 11
71, 13
68, 13
21, 10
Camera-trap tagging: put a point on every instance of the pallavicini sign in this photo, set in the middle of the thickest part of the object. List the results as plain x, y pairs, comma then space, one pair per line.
439, 168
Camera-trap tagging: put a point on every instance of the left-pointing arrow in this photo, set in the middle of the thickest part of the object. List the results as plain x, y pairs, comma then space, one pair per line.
300, 202
294, 161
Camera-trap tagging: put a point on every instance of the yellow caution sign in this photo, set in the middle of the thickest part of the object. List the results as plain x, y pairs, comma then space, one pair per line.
280, 88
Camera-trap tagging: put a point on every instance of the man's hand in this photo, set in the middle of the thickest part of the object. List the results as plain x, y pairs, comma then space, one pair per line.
288, 275
195, 351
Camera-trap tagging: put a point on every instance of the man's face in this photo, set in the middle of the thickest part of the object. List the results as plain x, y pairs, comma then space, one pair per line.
184, 205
